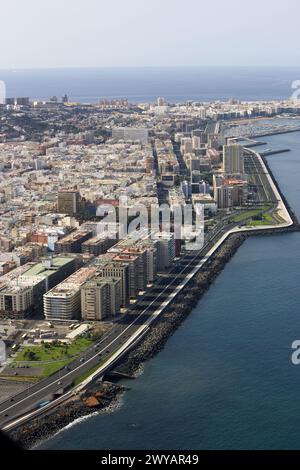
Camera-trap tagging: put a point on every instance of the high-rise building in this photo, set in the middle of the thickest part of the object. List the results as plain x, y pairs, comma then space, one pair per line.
229, 192
73, 242
63, 302
21, 293
161, 101
20, 101
68, 202
146, 249
196, 140
151, 247
123, 248
130, 133
194, 163
141, 254
224, 197
107, 267
202, 134
99, 244
233, 159
186, 145
165, 249
100, 298
133, 271
204, 187
186, 189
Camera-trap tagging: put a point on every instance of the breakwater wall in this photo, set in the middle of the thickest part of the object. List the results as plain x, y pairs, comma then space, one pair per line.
184, 303
103, 394
154, 341
295, 226
41, 428
275, 132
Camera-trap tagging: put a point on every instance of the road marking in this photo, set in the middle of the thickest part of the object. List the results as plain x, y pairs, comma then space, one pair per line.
178, 288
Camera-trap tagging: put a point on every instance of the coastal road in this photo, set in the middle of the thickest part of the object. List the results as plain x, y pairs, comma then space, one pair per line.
258, 176
140, 314
146, 310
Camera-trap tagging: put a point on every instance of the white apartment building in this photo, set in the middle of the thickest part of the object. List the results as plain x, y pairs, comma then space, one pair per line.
165, 249
63, 302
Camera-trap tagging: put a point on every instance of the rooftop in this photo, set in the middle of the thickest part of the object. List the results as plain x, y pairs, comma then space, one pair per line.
100, 238
72, 284
99, 281
75, 236
39, 269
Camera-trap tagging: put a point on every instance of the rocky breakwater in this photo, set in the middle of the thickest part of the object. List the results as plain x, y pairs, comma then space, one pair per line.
184, 303
100, 395
295, 226
97, 396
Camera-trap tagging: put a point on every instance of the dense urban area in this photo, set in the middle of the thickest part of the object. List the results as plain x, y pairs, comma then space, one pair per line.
77, 291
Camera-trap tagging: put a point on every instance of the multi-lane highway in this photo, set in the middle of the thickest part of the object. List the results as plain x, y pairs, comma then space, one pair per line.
147, 308
258, 177
142, 313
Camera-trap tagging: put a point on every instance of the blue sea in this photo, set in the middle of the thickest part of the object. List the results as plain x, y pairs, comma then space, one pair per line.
176, 84
224, 379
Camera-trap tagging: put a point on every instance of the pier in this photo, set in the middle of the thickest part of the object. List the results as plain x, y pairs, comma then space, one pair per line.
252, 142
284, 130
269, 152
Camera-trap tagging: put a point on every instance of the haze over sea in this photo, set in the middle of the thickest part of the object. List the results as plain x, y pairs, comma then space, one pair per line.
147, 83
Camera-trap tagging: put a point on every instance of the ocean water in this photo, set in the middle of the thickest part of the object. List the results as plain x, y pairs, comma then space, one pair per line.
177, 84
225, 378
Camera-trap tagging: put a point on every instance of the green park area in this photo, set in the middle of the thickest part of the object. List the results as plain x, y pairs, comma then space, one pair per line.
50, 357
269, 218
53, 351
246, 215
258, 217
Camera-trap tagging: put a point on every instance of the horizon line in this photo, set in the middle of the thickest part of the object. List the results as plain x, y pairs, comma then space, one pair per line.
97, 67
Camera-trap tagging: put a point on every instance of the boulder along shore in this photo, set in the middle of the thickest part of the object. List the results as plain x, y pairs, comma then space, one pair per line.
101, 395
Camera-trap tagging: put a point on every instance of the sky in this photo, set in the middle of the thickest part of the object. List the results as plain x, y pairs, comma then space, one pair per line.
132, 33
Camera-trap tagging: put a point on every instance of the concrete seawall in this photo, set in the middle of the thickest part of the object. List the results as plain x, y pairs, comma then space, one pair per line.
154, 341
155, 338
270, 133
45, 426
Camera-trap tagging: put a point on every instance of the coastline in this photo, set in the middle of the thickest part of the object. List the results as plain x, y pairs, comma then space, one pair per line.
28, 435
130, 365
31, 434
